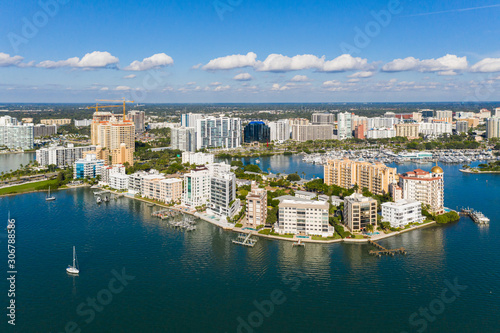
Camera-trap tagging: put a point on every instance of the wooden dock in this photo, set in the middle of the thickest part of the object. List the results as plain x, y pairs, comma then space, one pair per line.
245, 240
383, 251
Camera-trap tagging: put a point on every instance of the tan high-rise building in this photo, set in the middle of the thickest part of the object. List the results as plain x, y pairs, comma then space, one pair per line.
444, 115
359, 211
304, 133
407, 130
376, 177
115, 135
256, 213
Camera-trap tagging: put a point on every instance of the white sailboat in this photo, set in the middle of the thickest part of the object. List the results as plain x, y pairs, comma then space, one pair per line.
49, 198
73, 269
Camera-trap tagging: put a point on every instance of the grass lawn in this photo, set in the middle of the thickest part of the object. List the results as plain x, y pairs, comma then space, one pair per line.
265, 231
335, 236
43, 185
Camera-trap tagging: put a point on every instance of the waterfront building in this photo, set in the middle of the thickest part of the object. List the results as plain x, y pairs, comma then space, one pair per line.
444, 115
493, 128
196, 188
396, 192
15, 135
218, 132
304, 133
257, 131
436, 128
40, 130
304, 217
402, 212
376, 177
88, 167
380, 133
197, 158
407, 130
137, 117
425, 187
279, 130
150, 186
359, 211
222, 201
323, 118
58, 122
157, 187
189, 119
108, 170
136, 180
62, 156
83, 122
344, 127
183, 138
256, 213
119, 181
462, 126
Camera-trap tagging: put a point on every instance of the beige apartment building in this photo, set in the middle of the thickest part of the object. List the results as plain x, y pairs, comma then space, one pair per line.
161, 189
444, 115
256, 213
407, 130
55, 121
359, 211
312, 132
376, 177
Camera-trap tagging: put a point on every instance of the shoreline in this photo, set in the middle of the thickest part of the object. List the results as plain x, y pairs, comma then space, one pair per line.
478, 172
58, 189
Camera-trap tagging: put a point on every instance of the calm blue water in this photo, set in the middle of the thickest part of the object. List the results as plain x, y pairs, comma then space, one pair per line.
200, 282
13, 161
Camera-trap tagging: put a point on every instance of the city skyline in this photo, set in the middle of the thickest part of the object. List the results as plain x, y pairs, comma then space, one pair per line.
240, 51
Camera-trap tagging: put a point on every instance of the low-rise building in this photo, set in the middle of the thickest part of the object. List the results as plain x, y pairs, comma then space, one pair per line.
119, 181
304, 217
64, 121
359, 211
89, 167
305, 195
402, 212
197, 158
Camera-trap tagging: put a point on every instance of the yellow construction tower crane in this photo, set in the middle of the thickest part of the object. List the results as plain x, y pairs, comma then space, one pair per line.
97, 107
115, 100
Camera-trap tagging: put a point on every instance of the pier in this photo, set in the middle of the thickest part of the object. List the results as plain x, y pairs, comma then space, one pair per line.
298, 243
476, 216
166, 213
382, 250
245, 240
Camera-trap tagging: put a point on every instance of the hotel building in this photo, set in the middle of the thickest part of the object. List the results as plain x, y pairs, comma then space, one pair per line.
425, 187
376, 177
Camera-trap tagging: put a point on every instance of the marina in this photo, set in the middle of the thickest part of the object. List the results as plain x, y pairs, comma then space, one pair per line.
245, 240
476, 216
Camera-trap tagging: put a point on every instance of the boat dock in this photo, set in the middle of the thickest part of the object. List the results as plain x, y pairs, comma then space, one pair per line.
298, 243
166, 213
476, 216
245, 240
382, 250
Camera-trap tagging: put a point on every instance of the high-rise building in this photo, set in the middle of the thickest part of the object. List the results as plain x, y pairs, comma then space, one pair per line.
493, 128
304, 217
256, 213
83, 122
257, 131
122, 155
137, 117
359, 211
382, 122
380, 133
189, 119
183, 138
279, 130
376, 177
425, 187
344, 129
15, 135
218, 132
435, 128
62, 156
497, 113
407, 130
323, 119
196, 187
462, 126
223, 201
359, 132
312, 132
65, 121
444, 115
40, 130
427, 113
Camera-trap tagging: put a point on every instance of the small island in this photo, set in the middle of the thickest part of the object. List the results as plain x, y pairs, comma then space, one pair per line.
491, 167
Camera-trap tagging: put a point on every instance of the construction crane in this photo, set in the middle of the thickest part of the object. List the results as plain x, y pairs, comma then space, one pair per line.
97, 107
115, 100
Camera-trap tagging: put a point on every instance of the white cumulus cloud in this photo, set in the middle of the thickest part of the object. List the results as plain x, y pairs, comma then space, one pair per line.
232, 61
96, 59
222, 88
243, 77
131, 76
362, 75
155, 61
488, 65
300, 78
7, 60
447, 63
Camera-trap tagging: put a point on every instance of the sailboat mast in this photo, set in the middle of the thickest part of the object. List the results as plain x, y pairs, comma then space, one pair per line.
73, 257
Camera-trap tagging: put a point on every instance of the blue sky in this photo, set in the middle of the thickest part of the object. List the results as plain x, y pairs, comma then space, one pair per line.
249, 51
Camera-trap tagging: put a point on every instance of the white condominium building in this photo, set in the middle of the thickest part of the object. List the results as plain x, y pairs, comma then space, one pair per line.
436, 128
218, 132
493, 128
189, 119
197, 158
16, 135
380, 133
223, 200
279, 130
136, 180
425, 187
304, 133
88, 167
183, 138
344, 129
108, 170
61, 156
402, 212
196, 188
304, 217
118, 181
